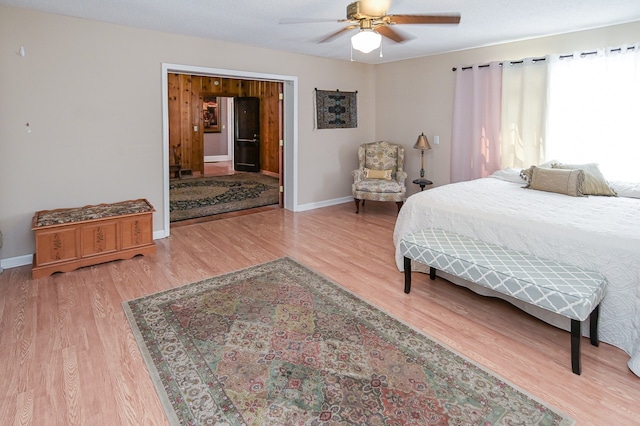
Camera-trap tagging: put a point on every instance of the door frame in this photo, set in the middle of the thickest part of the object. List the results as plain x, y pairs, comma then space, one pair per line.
289, 167
230, 130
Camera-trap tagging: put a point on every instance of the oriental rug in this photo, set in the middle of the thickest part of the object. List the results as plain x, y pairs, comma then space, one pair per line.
206, 196
278, 344
336, 109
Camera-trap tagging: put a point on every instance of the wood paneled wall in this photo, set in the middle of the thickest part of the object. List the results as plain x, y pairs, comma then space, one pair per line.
185, 112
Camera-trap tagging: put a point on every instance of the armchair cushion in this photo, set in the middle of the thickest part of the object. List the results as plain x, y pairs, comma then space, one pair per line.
379, 185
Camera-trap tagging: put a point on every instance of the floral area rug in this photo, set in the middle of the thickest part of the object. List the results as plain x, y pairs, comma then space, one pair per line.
277, 344
198, 197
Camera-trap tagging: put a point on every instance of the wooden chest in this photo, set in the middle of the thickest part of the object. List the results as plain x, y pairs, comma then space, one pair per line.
67, 239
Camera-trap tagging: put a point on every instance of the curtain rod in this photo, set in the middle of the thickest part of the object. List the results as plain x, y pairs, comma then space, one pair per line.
570, 55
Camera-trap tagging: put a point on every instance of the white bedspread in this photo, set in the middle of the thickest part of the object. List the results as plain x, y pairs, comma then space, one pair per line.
597, 233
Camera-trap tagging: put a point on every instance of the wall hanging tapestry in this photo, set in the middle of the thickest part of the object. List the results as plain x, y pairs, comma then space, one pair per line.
199, 197
278, 344
336, 109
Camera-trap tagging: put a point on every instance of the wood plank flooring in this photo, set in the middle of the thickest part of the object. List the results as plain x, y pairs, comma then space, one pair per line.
68, 356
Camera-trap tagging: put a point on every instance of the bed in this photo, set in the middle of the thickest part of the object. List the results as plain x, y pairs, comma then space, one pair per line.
593, 232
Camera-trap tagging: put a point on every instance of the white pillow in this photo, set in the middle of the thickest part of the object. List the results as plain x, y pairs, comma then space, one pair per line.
548, 164
626, 189
509, 174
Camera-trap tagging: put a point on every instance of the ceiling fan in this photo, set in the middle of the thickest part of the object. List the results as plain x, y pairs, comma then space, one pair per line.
372, 22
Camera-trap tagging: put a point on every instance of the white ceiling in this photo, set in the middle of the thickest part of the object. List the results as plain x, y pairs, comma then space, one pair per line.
258, 22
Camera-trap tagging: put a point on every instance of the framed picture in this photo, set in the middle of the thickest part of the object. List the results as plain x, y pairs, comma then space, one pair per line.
210, 114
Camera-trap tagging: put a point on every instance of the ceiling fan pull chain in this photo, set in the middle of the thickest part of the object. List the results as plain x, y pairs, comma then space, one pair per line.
381, 43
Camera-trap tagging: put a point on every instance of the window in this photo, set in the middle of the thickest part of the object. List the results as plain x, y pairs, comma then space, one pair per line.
593, 108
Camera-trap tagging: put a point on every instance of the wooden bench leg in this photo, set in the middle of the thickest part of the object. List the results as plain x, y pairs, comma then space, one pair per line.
407, 274
575, 347
432, 273
576, 335
593, 331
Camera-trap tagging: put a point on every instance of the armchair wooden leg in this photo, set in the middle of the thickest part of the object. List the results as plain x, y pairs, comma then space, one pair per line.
357, 205
399, 204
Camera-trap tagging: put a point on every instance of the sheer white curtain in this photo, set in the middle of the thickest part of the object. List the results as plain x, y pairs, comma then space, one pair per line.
524, 112
475, 139
593, 111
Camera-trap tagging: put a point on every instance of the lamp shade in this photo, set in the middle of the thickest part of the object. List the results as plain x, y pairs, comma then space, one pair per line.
422, 143
366, 40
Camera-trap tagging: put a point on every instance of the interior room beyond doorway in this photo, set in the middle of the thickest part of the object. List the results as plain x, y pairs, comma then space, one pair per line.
205, 135
227, 83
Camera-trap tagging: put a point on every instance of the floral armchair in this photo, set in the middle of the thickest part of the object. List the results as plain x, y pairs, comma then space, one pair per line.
380, 175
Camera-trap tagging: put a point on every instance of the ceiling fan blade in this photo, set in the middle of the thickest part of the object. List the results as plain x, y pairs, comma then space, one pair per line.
424, 19
337, 33
307, 21
391, 33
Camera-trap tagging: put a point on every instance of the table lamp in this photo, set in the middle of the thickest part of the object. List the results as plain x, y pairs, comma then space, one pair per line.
422, 144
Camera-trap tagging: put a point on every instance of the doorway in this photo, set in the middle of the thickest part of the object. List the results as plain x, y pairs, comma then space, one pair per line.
218, 146
289, 141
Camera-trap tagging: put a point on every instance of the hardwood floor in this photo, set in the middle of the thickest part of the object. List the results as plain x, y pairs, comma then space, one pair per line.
69, 358
219, 168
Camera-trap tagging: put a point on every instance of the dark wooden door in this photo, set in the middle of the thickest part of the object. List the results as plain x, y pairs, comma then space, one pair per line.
246, 155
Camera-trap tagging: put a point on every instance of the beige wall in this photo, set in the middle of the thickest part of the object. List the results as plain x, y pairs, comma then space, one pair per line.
92, 95
416, 95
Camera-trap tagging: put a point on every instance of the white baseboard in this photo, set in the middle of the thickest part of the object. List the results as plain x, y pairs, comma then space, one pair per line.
14, 262
326, 203
216, 158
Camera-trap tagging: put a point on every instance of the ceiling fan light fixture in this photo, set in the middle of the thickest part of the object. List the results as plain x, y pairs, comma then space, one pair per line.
366, 40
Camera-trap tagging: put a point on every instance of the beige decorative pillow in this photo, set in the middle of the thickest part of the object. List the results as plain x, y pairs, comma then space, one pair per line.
594, 181
526, 173
377, 174
568, 182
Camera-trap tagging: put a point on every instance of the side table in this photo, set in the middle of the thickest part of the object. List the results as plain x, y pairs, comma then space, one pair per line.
422, 183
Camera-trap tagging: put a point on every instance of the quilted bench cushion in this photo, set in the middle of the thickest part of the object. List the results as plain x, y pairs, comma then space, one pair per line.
100, 211
567, 290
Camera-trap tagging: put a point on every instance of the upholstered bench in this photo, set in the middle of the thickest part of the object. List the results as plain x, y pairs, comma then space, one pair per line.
564, 289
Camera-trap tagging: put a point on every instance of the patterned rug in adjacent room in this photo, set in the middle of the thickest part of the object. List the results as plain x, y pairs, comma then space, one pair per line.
277, 344
198, 197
